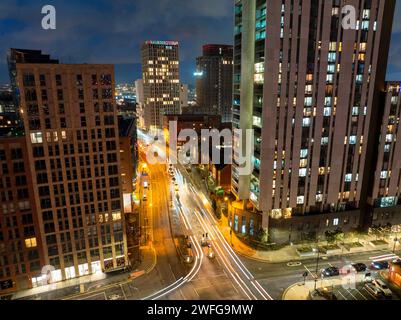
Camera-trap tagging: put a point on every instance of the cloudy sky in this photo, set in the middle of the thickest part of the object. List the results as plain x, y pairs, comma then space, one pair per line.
111, 31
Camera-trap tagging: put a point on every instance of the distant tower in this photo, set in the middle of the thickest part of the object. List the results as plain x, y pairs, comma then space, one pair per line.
161, 81
214, 75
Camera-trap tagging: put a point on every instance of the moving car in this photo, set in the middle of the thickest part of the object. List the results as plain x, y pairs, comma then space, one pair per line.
360, 267
383, 287
146, 185
331, 272
374, 291
379, 265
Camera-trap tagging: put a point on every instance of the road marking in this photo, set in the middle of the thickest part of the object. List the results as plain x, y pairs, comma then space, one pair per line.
370, 293
171, 269
311, 273
294, 264
95, 295
349, 291
342, 295
358, 291
122, 289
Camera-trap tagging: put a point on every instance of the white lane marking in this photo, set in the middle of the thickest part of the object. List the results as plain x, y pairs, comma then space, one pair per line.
342, 295
349, 291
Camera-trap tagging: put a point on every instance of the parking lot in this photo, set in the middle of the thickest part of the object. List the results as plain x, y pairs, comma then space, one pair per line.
347, 290
358, 293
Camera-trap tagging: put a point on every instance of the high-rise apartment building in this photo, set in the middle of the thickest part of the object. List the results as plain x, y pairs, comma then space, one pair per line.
72, 137
23, 56
214, 76
310, 89
161, 81
21, 254
385, 192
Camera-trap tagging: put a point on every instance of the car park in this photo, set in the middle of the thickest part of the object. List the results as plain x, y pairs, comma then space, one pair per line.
374, 291
383, 287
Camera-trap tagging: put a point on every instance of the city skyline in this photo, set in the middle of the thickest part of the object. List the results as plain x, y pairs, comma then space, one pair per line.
277, 178
193, 25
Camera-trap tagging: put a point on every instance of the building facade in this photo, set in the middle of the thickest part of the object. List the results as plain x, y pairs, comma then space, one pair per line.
385, 195
311, 93
214, 76
21, 254
71, 128
161, 81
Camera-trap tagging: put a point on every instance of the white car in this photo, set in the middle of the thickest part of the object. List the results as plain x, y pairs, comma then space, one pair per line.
114, 297
383, 287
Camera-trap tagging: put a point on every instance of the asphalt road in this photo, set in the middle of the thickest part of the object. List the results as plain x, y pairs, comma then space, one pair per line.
279, 276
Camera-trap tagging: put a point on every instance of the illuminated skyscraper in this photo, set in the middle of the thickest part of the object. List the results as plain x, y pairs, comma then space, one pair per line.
161, 81
310, 90
73, 155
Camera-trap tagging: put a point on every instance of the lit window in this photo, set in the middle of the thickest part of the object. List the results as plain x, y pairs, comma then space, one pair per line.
301, 200
336, 222
384, 175
304, 153
319, 198
30, 243
257, 122
352, 140
327, 112
308, 101
37, 137
306, 122
302, 172
116, 216
348, 177
325, 141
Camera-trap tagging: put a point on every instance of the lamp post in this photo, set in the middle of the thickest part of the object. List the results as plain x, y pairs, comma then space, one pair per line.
317, 266
395, 243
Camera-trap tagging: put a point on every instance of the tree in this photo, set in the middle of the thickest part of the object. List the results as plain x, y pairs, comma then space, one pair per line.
330, 236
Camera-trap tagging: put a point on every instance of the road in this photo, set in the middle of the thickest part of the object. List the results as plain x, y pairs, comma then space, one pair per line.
278, 276
226, 276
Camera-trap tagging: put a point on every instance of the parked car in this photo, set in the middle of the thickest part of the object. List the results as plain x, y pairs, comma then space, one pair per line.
374, 291
360, 267
114, 297
383, 287
368, 277
330, 272
379, 265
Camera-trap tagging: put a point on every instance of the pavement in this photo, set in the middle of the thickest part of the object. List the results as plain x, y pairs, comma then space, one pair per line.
69, 289
343, 288
286, 254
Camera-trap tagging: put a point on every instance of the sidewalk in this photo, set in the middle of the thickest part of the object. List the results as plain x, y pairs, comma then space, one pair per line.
300, 291
286, 254
148, 262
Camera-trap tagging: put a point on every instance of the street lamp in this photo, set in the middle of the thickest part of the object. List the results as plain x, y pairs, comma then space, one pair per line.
395, 244
317, 266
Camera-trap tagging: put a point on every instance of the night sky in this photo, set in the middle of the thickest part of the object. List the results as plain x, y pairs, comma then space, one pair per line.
112, 31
